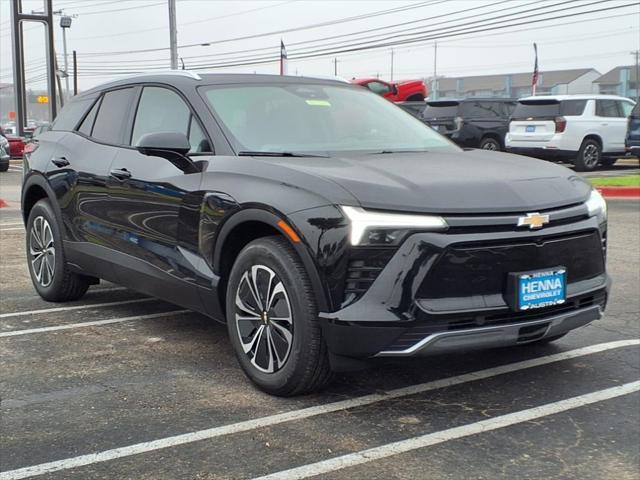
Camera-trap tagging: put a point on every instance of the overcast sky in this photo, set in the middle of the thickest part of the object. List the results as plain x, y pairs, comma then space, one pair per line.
600, 40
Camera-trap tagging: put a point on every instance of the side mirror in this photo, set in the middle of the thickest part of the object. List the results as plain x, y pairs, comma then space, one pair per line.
173, 146
394, 88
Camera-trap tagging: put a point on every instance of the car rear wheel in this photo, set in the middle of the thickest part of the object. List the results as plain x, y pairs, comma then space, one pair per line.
490, 144
588, 156
272, 320
49, 272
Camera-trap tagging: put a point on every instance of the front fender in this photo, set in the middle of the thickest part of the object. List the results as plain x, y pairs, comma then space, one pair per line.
271, 217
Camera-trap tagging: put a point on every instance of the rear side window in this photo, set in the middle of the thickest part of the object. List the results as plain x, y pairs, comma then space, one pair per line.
607, 108
71, 114
87, 124
572, 107
112, 116
481, 109
627, 108
441, 110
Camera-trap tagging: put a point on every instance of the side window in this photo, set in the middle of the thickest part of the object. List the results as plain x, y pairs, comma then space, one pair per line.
163, 110
572, 107
508, 108
197, 138
378, 87
71, 114
481, 109
87, 124
626, 108
607, 108
111, 119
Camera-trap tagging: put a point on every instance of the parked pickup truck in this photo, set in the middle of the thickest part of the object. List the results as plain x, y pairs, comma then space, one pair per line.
402, 91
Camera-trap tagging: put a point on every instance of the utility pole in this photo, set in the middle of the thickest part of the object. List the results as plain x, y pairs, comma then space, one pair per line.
65, 22
392, 64
75, 73
434, 84
173, 35
637, 83
335, 67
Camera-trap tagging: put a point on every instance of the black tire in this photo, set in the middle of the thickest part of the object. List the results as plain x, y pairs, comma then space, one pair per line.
61, 284
4, 167
589, 155
488, 143
305, 363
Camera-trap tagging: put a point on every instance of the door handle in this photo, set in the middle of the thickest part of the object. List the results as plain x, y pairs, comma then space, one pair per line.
604, 124
120, 173
60, 162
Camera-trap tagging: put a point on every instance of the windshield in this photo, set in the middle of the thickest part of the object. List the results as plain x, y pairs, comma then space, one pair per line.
317, 119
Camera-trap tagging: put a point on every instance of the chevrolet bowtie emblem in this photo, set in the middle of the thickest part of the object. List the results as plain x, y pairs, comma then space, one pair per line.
533, 221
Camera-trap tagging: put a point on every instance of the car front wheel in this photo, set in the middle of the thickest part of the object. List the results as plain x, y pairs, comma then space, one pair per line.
49, 272
272, 320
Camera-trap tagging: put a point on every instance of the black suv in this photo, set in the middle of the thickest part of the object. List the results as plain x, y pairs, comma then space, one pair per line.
320, 222
473, 122
632, 138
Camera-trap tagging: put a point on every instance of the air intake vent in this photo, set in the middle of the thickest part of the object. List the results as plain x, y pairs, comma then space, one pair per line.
365, 264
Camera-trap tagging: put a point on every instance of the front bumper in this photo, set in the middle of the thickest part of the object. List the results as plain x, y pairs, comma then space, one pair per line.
417, 307
499, 335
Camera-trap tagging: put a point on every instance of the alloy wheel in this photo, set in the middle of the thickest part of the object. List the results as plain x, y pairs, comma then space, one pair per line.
591, 155
264, 319
490, 146
42, 251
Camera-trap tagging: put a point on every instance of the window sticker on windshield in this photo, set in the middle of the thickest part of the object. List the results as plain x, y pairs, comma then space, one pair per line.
318, 103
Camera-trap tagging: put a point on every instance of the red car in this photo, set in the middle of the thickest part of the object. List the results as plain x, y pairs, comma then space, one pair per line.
402, 91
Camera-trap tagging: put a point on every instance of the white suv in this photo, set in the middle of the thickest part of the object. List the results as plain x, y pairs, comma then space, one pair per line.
585, 129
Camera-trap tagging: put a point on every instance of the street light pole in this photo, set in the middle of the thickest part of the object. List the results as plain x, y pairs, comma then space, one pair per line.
65, 23
434, 84
173, 35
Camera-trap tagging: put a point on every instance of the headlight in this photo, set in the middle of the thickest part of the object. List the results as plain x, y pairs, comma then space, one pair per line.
387, 228
596, 205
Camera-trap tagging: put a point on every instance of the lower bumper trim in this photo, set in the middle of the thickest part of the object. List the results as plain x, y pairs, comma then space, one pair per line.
499, 335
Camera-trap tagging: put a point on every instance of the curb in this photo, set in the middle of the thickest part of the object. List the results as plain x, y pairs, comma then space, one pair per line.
619, 192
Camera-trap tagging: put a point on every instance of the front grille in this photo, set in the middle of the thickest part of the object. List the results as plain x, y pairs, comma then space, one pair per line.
476, 269
365, 264
430, 324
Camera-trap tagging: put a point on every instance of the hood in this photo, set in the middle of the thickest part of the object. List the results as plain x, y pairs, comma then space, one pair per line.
473, 181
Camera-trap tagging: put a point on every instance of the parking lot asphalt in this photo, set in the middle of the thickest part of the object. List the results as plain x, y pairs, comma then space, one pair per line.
120, 386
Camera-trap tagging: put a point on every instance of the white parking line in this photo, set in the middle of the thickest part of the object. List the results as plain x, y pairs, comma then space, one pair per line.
75, 307
11, 224
11, 229
15, 333
403, 446
247, 425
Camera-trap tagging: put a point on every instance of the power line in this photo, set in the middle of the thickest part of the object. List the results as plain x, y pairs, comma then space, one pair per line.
280, 32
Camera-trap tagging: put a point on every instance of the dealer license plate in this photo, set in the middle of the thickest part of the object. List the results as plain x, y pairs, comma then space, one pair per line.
531, 128
541, 289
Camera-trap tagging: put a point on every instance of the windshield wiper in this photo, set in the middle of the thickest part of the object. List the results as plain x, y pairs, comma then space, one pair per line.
249, 153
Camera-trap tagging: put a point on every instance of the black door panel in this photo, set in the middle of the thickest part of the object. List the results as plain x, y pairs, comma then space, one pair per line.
144, 207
